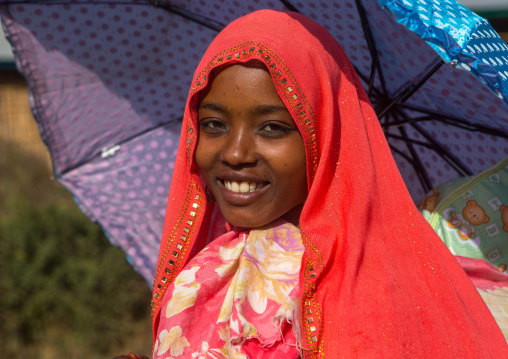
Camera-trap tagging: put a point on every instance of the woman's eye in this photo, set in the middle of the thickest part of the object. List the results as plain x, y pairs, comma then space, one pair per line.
275, 129
212, 125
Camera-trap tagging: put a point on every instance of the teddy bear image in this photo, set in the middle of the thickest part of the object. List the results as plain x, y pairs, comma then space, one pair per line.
464, 231
474, 213
504, 217
430, 202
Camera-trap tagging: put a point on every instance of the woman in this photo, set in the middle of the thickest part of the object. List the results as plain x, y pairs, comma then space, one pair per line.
281, 150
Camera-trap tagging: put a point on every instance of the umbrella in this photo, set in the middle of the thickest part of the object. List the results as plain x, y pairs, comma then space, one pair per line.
108, 82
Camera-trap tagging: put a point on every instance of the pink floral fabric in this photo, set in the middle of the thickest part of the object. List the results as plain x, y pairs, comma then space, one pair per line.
238, 298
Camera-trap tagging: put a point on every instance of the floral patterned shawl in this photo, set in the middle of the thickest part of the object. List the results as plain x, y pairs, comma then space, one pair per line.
375, 280
238, 298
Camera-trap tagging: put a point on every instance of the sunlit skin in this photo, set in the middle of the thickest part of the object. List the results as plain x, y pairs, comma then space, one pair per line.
249, 142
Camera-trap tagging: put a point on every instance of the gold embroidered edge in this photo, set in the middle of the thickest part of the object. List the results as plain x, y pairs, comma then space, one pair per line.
301, 106
191, 140
283, 79
312, 323
177, 245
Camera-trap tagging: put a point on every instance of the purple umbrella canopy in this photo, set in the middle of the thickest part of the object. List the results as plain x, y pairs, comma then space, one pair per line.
108, 82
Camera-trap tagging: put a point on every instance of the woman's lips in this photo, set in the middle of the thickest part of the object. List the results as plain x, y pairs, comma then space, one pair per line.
241, 192
242, 186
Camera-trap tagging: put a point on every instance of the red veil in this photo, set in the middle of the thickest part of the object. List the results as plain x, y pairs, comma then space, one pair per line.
375, 281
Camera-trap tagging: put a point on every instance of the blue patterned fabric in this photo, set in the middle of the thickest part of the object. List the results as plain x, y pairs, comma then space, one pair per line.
457, 34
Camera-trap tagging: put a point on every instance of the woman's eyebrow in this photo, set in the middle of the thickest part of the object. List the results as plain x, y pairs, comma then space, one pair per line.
257, 110
267, 109
212, 106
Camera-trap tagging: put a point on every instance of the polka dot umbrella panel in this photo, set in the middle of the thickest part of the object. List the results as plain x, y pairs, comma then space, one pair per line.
108, 81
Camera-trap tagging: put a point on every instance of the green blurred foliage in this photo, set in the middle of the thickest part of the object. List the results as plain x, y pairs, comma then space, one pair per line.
65, 291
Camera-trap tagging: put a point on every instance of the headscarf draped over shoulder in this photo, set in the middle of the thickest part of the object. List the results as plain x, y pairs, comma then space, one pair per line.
375, 281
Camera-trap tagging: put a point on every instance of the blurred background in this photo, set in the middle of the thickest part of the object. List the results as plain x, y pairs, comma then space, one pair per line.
85, 299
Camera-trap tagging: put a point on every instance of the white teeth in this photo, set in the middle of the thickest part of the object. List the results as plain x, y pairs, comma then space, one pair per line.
235, 187
243, 186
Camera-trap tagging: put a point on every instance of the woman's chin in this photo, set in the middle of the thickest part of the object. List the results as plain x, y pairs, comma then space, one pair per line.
245, 218
248, 222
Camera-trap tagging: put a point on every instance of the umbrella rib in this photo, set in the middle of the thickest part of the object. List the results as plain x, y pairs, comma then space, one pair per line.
189, 15
67, 2
369, 80
369, 38
465, 126
417, 164
439, 150
120, 143
293, 8
365, 79
405, 156
452, 160
411, 89
407, 121
453, 121
409, 140
290, 6
445, 154
410, 160
449, 121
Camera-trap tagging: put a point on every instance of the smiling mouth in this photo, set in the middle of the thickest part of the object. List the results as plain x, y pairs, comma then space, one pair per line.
243, 186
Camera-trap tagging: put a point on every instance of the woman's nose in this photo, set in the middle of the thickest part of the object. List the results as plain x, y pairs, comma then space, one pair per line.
239, 148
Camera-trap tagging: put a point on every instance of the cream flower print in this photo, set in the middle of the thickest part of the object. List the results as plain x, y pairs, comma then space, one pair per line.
236, 290
286, 310
155, 350
273, 271
172, 341
184, 293
203, 354
230, 257
229, 350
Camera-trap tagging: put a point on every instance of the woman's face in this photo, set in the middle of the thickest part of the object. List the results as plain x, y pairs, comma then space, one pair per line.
250, 151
